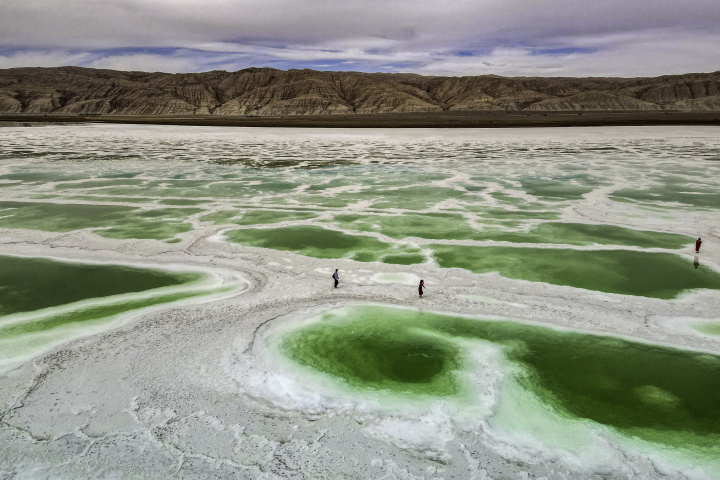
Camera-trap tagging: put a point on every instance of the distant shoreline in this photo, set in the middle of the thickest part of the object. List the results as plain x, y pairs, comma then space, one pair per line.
484, 119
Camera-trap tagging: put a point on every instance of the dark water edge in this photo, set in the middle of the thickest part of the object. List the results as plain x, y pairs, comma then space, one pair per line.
479, 119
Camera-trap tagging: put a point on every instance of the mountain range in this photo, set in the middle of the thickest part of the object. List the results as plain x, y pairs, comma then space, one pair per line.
271, 92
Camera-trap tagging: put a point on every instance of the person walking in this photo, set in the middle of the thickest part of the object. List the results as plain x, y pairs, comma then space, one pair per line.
336, 277
697, 245
420, 287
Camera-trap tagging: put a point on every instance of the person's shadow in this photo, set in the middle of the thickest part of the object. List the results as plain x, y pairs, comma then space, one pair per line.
696, 262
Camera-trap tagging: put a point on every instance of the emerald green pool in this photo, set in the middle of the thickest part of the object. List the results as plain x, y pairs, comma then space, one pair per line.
675, 190
255, 217
708, 328
429, 225
45, 302
658, 394
457, 227
589, 234
560, 189
649, 274
28, 284
319, 242
112, 221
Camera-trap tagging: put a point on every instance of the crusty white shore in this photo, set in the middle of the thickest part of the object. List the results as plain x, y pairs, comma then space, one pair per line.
157, 397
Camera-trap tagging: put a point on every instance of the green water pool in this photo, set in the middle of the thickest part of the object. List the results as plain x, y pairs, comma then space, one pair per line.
314, 241
649, 274
457, 227
255, 217
112, 221
28, 284
658, 394
45, 302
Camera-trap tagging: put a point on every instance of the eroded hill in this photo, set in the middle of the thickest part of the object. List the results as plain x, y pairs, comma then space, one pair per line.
266, 91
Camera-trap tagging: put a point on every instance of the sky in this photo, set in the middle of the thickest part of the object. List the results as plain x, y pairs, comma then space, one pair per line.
625, 38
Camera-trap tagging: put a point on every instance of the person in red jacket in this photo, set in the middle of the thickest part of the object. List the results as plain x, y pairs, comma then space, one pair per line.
420, 287
697, 245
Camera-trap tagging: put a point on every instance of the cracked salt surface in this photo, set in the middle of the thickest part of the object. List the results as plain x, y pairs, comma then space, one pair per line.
180, 391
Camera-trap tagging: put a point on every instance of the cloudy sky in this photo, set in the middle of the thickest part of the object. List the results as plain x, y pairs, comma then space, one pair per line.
453, 37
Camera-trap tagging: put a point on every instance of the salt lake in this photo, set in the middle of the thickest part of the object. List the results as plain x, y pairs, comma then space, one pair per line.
166, 306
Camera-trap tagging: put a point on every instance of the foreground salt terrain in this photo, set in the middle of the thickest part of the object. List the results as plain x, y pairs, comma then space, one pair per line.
527, 240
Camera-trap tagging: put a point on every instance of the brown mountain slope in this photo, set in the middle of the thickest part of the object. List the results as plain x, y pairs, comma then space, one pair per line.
270, 92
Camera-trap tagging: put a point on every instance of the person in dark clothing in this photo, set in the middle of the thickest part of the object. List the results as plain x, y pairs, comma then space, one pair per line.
336, 277
420, 287
697, 245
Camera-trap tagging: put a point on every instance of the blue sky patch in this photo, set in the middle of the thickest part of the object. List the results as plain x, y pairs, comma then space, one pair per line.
559, 51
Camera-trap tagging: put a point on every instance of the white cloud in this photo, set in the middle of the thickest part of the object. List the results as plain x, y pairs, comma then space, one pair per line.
112, 23
645, 55
145, 63
619, 37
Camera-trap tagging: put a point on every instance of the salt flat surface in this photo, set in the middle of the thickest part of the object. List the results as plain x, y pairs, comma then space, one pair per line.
189, 391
